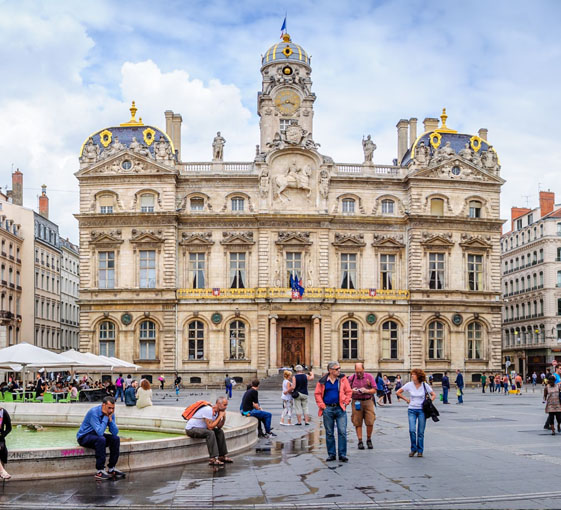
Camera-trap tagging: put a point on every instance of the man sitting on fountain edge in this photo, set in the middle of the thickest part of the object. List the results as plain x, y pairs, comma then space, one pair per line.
92, 435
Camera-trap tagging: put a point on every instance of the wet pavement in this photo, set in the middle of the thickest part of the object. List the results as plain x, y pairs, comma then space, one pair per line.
490, 452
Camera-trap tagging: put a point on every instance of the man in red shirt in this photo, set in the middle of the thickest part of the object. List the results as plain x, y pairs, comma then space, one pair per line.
364, 387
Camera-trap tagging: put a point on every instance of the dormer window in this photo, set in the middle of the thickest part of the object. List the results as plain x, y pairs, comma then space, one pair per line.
475, 209
348, 206
197, 204
238, 204
387, 206
147, 203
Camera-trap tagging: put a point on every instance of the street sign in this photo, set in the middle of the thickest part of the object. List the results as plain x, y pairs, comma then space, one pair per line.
507, 363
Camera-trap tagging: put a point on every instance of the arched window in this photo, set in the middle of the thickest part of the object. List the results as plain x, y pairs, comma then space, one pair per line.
436, 340
474, 340
147, 202
389, 340
196, 335
437, 207
237, 340
350, 340
238, 204
147, 340
388, 206
107, 339
348, 206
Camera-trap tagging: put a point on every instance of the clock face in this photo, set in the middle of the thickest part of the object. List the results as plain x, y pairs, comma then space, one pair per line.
287, 102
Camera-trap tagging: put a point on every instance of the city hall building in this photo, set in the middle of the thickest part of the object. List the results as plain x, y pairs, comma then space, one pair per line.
217, 267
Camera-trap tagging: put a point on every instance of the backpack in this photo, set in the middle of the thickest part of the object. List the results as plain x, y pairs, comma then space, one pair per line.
193, 408
119, 382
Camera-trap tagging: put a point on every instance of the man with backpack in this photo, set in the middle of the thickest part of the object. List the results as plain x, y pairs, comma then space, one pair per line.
364, 388
205, 421
119, 388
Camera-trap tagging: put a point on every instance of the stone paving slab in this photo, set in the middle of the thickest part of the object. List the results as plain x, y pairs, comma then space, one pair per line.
491, 452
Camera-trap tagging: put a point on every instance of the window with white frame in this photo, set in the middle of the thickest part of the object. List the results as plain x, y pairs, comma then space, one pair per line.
106, 270
147, 203
348, 206
147, 268
238, 204
237, 340
348, 270
475, 209
388, 206
237, 270
197, 269
196, 337
293, 266
474, 340
387, 271
107, 339
106, 204
147, 340
475, 272
436, 271
436, 340
389, 340
349, 337
197, 204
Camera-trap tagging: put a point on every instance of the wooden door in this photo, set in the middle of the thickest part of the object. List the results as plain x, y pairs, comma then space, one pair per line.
293, 343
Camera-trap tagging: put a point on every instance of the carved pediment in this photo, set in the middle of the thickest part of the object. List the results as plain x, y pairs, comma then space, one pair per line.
126, 163
237, 238
196, 239
113, 237
147, 236
388, 241
476, 242
294, 238
457, 169
442, 241
343, 240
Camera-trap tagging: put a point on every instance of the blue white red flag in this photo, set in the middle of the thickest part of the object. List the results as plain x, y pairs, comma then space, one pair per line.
283, 28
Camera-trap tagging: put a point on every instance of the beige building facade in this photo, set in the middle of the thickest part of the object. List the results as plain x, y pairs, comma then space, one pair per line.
531, 276
217, 267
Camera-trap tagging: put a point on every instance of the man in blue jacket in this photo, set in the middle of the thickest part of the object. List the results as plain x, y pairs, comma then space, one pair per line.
460, 384
92, 435
445, 388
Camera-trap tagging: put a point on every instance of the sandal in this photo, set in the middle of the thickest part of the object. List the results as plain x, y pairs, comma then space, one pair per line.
215, 462
226, 460
4, 475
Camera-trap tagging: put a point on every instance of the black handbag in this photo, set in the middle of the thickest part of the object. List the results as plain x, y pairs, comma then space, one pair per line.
429, 409
295, 394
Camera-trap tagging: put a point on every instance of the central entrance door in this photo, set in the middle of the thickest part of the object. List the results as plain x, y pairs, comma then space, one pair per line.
293, 343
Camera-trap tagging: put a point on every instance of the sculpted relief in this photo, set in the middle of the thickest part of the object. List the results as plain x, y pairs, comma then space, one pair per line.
295, 176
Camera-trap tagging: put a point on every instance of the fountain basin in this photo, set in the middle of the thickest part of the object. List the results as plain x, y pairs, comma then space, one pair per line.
62, 461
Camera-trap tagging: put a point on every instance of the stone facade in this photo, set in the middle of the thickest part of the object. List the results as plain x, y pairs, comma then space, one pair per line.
531, 276
199, 267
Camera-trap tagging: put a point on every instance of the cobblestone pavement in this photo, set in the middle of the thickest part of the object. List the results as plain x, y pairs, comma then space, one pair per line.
491, 452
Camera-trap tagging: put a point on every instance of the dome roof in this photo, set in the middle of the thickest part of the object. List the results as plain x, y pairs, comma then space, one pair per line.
285, 51
439, 137
124, 133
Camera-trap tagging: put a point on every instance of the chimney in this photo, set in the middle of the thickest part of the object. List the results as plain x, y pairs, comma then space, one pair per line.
401, 126
430, 124
483, 133
547, 202
173, 129
17, 188
44, 202
516, 212
412, 131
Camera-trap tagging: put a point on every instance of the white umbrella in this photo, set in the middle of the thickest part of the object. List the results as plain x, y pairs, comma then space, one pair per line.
88, 361
119, 363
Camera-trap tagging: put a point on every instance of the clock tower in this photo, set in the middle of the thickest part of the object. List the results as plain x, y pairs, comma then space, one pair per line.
286, 93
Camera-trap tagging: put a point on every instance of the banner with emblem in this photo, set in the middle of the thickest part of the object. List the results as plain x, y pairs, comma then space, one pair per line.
372, 292
216, 291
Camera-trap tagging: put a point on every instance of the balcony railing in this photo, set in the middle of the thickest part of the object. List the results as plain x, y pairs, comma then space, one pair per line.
286, 293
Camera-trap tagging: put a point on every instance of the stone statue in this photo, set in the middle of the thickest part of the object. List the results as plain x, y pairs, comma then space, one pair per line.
162, 150
139, 148
294, 177
277, 142
264, 182
324, 183
443, 154
115, 147
422, 154
90, 154
466, 153
489, 160
218, 147
368, 146
309, 143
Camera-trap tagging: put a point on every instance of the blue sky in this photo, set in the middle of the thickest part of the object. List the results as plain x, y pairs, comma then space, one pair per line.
72, 67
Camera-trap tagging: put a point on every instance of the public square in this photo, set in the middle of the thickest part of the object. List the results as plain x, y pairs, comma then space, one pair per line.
490, 452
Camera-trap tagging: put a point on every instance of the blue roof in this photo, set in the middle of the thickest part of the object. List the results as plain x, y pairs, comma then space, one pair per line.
285, 51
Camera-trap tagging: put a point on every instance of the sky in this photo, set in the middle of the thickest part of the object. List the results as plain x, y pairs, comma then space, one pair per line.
70, 68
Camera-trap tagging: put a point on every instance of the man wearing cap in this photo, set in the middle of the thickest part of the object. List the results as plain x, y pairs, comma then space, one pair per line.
364, 387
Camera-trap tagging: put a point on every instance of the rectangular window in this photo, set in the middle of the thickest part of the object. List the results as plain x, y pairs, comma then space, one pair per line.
519, 224
475, 272
197, 270
284, 123
147, 269
106, 270
293, 266
348, 270
106, 209
197, 204
387, 271
437, 207
147, 203
387, 206
348, 206
237, 270
436, 340
436, 271
389, 340
237, 204
475, 209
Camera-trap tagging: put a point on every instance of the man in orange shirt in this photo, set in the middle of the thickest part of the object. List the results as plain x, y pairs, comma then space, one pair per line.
518, 382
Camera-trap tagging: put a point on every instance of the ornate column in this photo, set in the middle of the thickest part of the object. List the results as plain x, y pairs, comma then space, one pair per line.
316, 345
273, 344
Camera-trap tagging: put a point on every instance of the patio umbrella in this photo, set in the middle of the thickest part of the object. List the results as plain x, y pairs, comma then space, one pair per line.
88, 361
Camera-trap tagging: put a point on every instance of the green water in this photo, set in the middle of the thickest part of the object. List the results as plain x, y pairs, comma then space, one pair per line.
50, 437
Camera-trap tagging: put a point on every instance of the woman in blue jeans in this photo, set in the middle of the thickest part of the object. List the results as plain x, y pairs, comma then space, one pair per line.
417, 388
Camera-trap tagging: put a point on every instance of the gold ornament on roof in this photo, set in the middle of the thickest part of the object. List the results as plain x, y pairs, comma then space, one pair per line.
286, 38
105, 137
435, 139
475, 143
148, 135
444, 128
133, 122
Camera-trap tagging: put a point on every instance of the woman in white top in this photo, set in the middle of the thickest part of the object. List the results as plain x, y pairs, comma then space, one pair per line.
144, 394
417, 388
286, 397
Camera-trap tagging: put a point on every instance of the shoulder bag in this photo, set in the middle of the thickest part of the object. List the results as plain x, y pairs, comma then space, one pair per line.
429, 409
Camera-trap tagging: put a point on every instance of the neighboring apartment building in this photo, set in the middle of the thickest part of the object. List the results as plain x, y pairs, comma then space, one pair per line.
11, 241
69, 290
198, 266
531, 282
